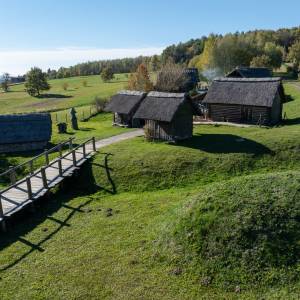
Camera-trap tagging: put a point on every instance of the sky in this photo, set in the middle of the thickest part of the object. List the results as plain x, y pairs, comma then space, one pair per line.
54, 33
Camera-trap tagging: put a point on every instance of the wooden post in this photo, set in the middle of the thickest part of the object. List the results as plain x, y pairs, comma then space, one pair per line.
90, 111
44, 177
31, 166
84, 150
66, 118
12, 175
29, 189
3, 223
70, 144
60, 150
46, 157
94, 144
60, 170
74, 158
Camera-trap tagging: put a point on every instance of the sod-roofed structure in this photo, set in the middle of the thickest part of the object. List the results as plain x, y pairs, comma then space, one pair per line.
248, 72
245, 100
167, 116
123, 106
24, 132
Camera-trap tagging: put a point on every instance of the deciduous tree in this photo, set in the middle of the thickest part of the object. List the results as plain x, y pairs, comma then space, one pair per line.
140, 81
36, 81
107, 74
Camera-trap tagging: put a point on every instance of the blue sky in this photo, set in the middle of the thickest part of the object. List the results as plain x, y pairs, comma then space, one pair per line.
62, 32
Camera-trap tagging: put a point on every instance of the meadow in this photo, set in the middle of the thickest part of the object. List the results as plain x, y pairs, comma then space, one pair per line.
77, 94
120, 229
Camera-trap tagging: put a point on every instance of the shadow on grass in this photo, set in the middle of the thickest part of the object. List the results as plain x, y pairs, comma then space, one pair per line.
27, 220
57, 96
295, 121
225, 143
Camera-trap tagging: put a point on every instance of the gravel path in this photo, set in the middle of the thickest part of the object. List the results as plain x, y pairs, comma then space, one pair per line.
118, 138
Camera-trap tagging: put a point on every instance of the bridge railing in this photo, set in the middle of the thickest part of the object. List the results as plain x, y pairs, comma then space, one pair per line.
72, 150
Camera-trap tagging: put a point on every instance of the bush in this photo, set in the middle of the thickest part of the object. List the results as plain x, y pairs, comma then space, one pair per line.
100, 104
65, 86
243, 232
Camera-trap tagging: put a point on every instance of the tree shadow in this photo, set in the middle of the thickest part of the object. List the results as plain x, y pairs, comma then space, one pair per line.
225, 143
288, 98
295, 121
57, 96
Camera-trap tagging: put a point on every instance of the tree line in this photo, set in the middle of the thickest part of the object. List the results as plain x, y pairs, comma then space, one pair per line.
260, 48
124, 65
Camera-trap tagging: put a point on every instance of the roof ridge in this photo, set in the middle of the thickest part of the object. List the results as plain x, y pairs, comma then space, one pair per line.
158, 94
263, 79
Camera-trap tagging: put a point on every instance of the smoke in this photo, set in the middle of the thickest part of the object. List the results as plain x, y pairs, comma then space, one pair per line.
211, 74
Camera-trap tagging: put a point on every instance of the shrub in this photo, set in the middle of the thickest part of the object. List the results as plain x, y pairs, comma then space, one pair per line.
100, 104
65, 86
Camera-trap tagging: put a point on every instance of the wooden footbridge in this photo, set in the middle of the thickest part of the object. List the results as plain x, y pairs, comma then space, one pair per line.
21, 193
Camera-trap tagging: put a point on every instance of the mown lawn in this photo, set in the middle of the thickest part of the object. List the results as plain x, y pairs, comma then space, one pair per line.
18, 101
97, 238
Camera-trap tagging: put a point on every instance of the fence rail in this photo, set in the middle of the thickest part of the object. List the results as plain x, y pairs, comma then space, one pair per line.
38, 182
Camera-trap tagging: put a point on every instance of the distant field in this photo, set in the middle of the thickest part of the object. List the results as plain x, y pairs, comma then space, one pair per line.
18, 101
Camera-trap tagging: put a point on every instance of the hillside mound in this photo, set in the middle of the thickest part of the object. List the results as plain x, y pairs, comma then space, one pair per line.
245, 231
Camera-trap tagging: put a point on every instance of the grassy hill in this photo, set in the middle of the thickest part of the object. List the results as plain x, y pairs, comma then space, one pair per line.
18, 101
116, 232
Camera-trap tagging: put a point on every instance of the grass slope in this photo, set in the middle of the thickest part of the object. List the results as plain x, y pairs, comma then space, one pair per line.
98, 126
18, 101
92, 243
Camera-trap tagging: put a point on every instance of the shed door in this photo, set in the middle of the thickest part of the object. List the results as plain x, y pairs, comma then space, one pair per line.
246, 114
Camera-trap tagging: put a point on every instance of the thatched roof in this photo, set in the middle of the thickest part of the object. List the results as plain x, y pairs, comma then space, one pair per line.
244, 91
245, 72
25, 128
160, 106
125, 102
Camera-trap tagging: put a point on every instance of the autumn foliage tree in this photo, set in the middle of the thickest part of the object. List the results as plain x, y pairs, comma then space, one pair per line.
140, 81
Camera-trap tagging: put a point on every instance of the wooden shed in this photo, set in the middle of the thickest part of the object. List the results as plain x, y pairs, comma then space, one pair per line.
168, 116
124, 105
245, 100
247, 72
24, 132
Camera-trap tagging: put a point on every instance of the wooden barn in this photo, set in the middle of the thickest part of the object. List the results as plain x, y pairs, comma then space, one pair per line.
247, 72
124, 105
245, 100
24, 132
168, 116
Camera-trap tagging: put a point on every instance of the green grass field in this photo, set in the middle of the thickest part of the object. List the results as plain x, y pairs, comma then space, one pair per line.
18, 101
100, 237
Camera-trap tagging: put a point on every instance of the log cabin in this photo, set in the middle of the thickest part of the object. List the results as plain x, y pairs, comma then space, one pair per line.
246, 100
123, 106
24, 132
168, 116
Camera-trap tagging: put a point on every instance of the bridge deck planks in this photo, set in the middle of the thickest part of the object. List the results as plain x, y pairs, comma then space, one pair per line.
16, 198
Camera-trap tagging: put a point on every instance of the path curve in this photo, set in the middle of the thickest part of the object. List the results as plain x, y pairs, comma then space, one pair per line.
118, 138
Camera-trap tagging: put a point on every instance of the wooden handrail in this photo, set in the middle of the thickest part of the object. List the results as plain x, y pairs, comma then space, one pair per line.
43, 174
34, 173
30, 162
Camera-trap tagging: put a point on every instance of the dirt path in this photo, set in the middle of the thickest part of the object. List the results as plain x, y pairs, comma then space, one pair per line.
222, 123
118, 138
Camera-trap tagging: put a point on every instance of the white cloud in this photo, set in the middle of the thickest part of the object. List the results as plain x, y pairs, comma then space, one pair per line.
19, 62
